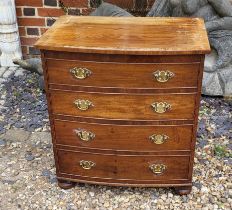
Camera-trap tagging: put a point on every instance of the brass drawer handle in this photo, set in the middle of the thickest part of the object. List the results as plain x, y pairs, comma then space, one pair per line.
80, 73
85, 164
158, 169
83, 104
161, 107
163, 76
158, 138
85, 135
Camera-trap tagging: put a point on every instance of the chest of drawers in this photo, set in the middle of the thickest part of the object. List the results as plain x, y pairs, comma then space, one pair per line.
123, 97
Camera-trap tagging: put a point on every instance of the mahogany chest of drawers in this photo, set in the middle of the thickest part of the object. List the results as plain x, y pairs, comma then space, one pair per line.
123, 97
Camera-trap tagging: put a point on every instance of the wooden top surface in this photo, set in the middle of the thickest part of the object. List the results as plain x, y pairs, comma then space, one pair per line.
126, 35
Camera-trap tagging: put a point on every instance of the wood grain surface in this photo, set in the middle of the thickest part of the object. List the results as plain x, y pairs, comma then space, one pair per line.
122, 54
122, 58
123, 106
126, 167
123, 75
123, 137
127, 35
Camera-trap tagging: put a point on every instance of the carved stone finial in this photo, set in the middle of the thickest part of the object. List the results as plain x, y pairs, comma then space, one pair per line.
9, 37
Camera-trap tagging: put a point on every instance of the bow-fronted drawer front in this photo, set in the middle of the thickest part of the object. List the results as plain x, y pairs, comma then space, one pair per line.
127, 167
141, 138
123, 106
122, 75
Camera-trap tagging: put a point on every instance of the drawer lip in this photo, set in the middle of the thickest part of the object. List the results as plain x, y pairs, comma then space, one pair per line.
174, 122
125, 119
103, 178
112, 93
108, 122
63, 55
121, 152
117, 62
136, 183
124, 155
101, 89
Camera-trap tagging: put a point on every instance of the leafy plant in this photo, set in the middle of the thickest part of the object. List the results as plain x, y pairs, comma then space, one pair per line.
204, 110
222, 151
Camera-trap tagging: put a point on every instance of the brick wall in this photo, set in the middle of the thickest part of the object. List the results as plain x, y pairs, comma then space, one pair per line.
36, 16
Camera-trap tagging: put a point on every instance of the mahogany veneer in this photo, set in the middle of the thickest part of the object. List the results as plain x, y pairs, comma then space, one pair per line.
123, 97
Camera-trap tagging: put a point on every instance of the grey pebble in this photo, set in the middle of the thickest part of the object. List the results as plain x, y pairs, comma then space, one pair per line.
8, 182
2, 142
53, 180
185, 199
7, 74
29, 157
198, 185
46, 173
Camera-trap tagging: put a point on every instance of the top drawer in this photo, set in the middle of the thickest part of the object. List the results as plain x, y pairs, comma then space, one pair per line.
122, 75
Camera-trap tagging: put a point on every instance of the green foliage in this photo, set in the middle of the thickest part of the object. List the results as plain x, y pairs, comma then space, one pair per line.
16, 93
204, 110
222, 151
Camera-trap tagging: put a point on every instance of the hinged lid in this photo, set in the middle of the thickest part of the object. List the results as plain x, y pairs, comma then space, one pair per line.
126, 35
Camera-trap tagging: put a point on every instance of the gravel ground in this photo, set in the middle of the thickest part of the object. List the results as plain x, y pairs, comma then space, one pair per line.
27, 173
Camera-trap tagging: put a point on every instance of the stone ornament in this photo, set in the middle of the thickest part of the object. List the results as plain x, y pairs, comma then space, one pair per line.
218, 19
10, 47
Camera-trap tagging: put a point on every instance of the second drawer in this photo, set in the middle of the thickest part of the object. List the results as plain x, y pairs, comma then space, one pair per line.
123, 106
123, 137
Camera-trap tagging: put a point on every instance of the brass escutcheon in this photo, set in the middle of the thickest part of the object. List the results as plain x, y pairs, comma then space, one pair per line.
85, 135
83, 104
85, 164
161, 107
158, 138
80, 73
163, 76
158, 169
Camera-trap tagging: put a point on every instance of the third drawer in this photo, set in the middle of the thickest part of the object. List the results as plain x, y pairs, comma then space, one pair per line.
123, 137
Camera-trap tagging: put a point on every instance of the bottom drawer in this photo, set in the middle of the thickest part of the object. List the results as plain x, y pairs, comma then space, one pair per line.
126, 167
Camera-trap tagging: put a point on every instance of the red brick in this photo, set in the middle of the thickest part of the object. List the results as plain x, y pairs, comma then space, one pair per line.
29, 11
50, 3
35, 3
50, 12
28, 41
76, 3
22, 31
43, 30
128, 4
19, 11
31, 21
31, 31
87, 11
24, 49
